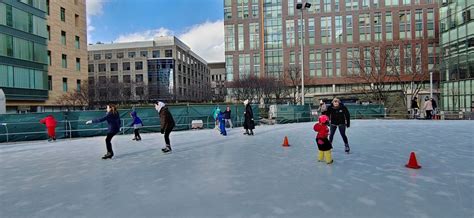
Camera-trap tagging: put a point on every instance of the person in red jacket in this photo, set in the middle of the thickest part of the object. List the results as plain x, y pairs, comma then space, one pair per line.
324, 145
51, 124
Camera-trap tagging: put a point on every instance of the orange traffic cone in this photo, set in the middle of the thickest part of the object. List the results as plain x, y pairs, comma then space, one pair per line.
285, 142
412, 163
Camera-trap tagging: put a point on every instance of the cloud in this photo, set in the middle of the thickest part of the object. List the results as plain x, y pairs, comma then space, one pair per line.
144, 36
205, 39
93, 8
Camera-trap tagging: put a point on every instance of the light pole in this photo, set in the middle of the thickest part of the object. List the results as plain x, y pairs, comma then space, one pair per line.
431, 84
302, 6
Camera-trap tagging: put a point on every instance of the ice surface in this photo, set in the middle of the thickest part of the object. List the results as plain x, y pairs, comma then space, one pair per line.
247, 176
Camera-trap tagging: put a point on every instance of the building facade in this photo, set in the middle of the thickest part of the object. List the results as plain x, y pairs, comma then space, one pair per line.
457, 43
23, 53
262, 38
218, 79
162, 69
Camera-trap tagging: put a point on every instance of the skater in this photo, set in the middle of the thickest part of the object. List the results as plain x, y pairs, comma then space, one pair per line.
167, 124
434, 113
136, 124
51, 124
113, 121
221, 118
428, 108
414, 107
322, 108
215, 113
248, 122
324, 145
228, 118
340, 119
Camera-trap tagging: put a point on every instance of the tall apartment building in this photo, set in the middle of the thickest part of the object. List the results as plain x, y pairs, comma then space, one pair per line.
67, 49
218, 79
457, 43
262, 37
42, 46
23, 53
162, 69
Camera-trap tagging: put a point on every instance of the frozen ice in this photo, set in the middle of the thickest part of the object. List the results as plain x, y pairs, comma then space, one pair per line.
247, 176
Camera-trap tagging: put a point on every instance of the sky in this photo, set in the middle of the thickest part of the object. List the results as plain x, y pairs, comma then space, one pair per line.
198, 23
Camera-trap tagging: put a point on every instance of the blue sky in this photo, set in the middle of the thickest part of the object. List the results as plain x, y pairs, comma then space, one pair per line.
135, 20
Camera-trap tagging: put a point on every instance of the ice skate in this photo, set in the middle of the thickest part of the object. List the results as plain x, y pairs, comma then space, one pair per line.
332, 161
108, 156
166, 149
347, 149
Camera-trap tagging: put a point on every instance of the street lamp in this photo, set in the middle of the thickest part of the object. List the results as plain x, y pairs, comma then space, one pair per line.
302, 6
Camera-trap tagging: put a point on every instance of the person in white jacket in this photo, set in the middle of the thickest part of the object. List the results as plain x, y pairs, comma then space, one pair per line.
428, 108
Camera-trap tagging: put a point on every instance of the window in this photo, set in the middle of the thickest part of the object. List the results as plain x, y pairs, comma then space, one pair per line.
367, 60
431, 57
242, 8
63, 37
47, 7
376, 3
49, 58
78, 64
144, 54
139, 78
78, 85
290, 33
156, 54
97, 57
388, 26
405, 24
139, 65
329, 63
102, 67
139, 91
168, 53
131, 54
126, 66
339, 32
391, 3
430, 23
336, 5
64, 61
256, 65
76, 20
48, 28
240, 40
327, 5
63, 14
102, 79
77, 42
229, 38
229, 68
254, 36
406, 2
315, 6
349, 28
90, 68
50, 83
352, 5
338, 62
254, 8
227, 9
113, 67
365, 4
126, 79
353, 58
326, 30
64, 84
108, 56
312, 63
364, 27
319, 63
291, 7
418, 23
244, 65
311, 31
120, 55
378, 26
114, 79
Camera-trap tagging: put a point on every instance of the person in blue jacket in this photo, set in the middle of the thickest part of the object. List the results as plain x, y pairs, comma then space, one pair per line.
221, 118
136, 124
113, 120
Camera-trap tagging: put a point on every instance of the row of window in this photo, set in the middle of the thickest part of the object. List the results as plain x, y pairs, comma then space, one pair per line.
114, 67
22, 49
22, 20
77, 39
133, 54
65, 84
64, 61
18, 77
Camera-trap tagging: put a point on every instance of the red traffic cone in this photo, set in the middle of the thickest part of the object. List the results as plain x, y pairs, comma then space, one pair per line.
285, 142
412, 163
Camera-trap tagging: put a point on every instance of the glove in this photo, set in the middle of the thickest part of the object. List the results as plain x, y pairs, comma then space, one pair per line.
162, 131
320, 141
89, 122
348, 125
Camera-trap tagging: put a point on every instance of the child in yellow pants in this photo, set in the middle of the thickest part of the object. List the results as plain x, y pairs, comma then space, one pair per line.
324, 145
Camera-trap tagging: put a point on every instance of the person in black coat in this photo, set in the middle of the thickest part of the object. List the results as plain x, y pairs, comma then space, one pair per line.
248, 122
340, 119
228, 117
166, 122
113, 120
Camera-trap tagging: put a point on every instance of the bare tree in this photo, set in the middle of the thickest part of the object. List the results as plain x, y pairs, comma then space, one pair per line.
293, 79
78, 98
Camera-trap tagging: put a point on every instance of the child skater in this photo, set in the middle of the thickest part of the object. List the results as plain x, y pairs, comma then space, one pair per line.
324, 145
51, 124
221, 118
136, 124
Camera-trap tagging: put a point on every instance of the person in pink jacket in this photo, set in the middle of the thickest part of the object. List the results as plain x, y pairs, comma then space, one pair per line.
428, 107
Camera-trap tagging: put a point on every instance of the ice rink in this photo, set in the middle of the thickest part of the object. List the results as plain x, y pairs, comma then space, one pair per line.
247, 176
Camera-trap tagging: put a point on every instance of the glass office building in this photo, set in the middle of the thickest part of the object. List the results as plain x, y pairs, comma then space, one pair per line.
23, 50
457, 42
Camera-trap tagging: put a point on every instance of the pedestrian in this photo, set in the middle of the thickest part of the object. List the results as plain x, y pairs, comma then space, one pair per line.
136, 124
324, 145
414, 107
228, 117
113, 121
51, 124
428, 108
435, 108
249, 124
221, 118
322, 108
215, 113
167, 124
340, 119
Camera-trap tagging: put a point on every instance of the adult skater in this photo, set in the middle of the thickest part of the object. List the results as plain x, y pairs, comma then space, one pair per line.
340, 118
248, 122
167, 124
414, 107
221, 118
113, 121
228, 118
51, 124
136, 124
428, 108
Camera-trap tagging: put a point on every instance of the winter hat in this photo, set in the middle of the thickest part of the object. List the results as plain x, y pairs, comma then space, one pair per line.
159, 105
246, 102
133, 113
323, 119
